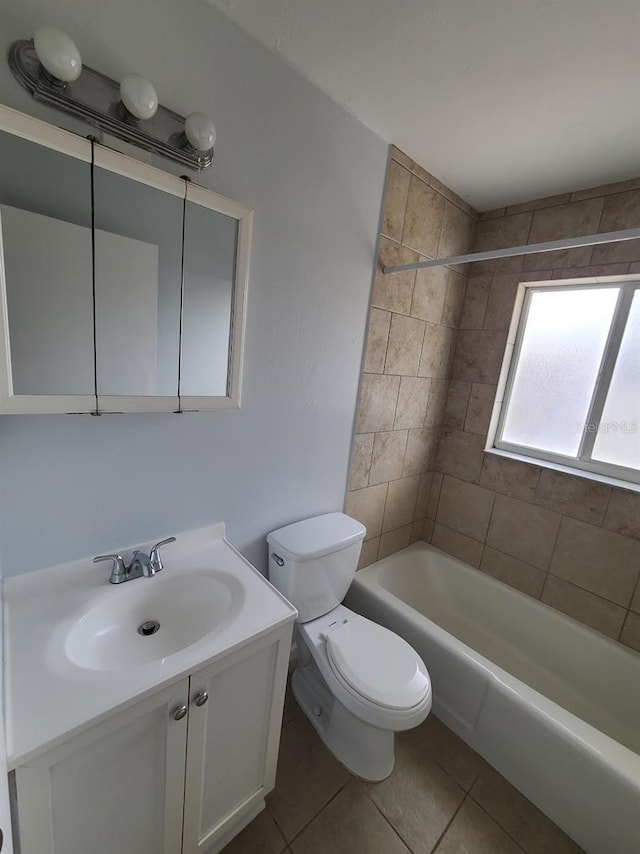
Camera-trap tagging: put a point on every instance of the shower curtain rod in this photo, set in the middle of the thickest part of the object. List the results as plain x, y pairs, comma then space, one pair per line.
532, 249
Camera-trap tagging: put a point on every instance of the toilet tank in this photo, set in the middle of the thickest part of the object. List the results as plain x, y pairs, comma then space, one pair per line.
313, 562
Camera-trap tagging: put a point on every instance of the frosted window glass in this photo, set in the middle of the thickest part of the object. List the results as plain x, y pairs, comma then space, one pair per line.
560, 357
618, 439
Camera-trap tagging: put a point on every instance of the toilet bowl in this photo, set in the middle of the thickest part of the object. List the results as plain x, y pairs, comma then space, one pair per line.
357, 682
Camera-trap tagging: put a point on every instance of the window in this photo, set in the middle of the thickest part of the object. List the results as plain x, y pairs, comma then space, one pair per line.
572, 394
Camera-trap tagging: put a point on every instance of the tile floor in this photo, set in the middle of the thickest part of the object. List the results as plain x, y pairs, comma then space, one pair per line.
441, 797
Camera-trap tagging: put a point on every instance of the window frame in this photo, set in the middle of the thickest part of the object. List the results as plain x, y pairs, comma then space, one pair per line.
583, 463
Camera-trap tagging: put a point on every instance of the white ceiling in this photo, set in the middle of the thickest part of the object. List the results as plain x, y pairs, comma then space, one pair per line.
503, 100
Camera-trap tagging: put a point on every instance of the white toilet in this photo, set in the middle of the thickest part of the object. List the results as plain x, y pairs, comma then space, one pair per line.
357, 682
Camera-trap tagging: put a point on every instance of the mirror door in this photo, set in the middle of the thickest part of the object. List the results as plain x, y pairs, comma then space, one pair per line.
217, 236
46, 280
122, 288
138, 221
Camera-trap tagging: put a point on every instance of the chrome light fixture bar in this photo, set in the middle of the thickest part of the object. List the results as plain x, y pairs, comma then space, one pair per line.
98, 100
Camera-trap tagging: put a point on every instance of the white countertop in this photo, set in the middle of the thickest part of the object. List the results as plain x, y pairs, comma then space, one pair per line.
48, 698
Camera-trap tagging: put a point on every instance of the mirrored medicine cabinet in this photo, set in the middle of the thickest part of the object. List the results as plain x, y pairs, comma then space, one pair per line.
122, 288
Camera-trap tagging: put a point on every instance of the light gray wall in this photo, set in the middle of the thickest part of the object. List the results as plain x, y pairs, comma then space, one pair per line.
78, 485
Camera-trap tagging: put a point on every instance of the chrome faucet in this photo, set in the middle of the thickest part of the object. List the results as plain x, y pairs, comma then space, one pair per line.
141, 564
154, 555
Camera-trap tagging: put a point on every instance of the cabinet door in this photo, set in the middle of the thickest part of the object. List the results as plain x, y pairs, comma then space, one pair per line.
232, 748
217, 236
138, 219
116, 789
46, 288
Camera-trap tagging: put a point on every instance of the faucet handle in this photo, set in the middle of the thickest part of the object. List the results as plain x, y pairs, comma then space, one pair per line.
118, 569
154, 554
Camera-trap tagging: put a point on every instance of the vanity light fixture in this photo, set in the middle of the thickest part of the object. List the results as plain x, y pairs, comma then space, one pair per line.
50, 68
199, 131
138, 96
58, 54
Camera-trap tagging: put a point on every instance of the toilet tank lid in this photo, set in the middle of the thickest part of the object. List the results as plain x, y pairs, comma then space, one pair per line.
318, 536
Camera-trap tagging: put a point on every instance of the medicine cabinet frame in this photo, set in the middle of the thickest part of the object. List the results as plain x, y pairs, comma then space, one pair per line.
96, 155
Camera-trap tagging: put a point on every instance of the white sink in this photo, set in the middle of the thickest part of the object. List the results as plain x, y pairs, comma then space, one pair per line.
187, 607
72, 645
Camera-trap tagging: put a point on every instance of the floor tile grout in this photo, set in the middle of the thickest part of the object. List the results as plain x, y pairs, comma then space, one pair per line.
317, 814
499, 823
426, 753
414, 744
452, 819
495, 821
273, 818
481, 771
389, 822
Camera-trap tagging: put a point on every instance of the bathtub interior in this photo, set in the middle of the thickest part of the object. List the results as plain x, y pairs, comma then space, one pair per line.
579, 669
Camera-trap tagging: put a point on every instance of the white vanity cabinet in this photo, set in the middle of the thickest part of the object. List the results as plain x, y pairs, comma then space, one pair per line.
180, 772
118, 787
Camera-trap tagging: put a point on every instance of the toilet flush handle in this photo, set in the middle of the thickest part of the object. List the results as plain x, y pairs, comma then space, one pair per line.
277, 559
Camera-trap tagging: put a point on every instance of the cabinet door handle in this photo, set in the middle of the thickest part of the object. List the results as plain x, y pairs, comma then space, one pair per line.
179, 712
200, 698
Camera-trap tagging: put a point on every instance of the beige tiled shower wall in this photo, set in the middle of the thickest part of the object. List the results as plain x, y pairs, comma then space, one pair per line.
572, 542
413, 321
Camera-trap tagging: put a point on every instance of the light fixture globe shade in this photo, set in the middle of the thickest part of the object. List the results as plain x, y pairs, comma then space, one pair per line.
200, 132
58, 54
138, 96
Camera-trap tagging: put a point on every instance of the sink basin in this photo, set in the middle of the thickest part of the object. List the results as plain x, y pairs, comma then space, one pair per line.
149, 619
71, 641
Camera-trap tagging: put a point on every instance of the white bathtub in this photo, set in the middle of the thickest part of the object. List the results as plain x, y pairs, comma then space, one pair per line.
554, 706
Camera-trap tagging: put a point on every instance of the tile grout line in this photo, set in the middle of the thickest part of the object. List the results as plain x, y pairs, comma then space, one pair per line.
387, 820
426, 406
406, 205
384, 513
484, 541
586, 590
544, 587
423, 319
635, 590
540, 208
466, 793
280, 831
424, 335
593, 248
530, 228
606, 509
623, 624
486, 305
483, 767
555, 542
535, 495
386, 349
467, 537
316, 815
445, 831
466, 413
440, 230
423, 750
458, 203
493, 507
497, 823
418, 252
437, 510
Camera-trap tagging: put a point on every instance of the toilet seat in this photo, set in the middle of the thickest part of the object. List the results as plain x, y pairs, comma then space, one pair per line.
314, 637
377, 664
